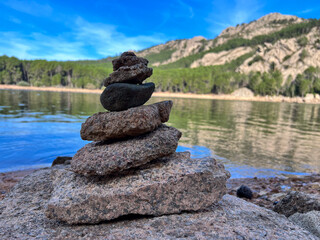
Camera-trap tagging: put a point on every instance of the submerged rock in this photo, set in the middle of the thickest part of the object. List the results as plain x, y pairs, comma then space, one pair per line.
295, 202
128, 59
163, 186
121, 96
103, 158
132, 122
135, 74
22, 217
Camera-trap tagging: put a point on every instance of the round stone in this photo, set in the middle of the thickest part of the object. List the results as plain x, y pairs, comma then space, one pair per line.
122, 96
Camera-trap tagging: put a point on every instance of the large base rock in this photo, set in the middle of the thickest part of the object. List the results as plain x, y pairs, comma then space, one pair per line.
168, 185
104, 158
132, 122
22, 217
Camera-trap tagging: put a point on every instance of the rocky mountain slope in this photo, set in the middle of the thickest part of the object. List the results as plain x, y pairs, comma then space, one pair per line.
291, 55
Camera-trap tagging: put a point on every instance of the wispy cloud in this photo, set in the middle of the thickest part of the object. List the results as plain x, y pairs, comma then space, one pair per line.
187, 7
29, 7
14, 20
225, 14
107, 40
84, 40
308, 10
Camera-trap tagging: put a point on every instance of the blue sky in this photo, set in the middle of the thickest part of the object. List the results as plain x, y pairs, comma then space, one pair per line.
71, 30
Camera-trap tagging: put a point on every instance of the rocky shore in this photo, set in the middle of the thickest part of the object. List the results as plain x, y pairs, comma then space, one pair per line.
22, 214
130, 183
266, 191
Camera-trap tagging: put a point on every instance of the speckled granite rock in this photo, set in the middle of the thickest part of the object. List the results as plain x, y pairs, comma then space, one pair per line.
309, 221
163, 186
103, 158
121, 96
132, 122
128, 59
135, 74
295, 202
22, 217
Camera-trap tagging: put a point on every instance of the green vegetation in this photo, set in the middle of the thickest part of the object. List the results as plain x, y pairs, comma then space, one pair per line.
286, 57
308, 82
303, 41
211, 79
257, 58
304, 53
282, 21
161, 56
51, 73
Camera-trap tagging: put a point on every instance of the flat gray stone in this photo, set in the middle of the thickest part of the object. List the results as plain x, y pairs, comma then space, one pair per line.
295, 202
163, 186
132, 122
309, 221
128, 59
134, 74
22, 217
104, 158
122, 96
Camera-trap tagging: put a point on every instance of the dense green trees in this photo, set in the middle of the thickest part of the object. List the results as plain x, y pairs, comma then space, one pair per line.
211, 79
52, 73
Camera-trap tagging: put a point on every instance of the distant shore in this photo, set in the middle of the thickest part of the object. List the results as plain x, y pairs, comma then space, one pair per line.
175, 95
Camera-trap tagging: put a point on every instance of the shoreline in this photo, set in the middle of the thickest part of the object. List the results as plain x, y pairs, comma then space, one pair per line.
265, 190
174, 95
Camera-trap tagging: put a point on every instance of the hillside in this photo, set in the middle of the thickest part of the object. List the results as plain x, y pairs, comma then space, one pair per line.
276, 54
284, 53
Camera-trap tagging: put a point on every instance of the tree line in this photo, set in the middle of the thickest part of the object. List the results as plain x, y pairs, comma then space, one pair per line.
221, 79
52, 73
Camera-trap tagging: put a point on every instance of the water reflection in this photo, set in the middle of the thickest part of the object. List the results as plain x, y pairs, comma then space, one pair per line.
251, 138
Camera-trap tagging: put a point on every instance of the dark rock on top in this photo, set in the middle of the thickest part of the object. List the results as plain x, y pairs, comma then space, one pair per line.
135, 74
128, 59
244, 192
22, 217
104, 158
132, 122
164, 186
295, 202
121, 96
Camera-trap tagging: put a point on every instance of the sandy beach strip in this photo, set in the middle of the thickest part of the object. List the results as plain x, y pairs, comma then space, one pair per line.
174, 95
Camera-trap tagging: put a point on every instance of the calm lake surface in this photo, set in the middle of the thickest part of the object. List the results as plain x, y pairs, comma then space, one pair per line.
250, 138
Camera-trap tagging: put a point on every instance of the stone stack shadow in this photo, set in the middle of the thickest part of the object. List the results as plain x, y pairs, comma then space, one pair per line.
131, 166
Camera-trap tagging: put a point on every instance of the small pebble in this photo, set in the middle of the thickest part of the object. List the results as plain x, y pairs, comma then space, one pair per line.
244, 192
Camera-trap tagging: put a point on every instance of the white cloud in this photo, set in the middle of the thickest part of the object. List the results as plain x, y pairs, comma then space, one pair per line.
85, 40
14, 20
224, 15
29, 7
187, 7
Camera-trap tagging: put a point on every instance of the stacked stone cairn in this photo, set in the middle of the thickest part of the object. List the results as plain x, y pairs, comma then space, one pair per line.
131, 167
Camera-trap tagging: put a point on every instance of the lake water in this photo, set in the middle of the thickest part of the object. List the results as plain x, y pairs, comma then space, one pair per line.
250, 138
